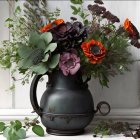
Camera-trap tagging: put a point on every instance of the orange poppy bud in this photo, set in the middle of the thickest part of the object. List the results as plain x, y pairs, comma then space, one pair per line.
51, 25
130, 28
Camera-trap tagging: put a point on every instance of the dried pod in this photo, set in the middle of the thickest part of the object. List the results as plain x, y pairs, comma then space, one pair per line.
98, 1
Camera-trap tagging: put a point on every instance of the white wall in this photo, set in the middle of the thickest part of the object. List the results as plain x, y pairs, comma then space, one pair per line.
5, 97
123, 94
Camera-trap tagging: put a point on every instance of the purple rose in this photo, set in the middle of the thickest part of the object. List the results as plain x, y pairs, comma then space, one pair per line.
69, 63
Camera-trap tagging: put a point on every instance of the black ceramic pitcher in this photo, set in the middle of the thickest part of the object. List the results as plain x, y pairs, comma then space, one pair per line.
66, 106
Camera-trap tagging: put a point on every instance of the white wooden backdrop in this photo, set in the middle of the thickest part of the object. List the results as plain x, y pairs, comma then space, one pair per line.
124, 92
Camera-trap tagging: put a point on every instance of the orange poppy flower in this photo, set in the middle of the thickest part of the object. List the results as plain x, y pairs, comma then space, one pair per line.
94, 50
51, 25
58, 21
130, 28
46, 28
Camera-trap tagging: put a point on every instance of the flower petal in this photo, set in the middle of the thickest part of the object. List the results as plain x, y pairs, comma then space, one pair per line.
75, 69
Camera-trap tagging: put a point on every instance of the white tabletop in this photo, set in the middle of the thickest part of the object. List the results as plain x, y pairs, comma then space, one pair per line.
86, 136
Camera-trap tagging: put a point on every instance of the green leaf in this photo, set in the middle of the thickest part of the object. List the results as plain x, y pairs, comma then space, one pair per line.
24, 51
10, 26
40, 68
8, 20
21, 133
2, 126
18, 9
41, 44
25, 63
34, 38
75, 10
47, 37
51, 47
86, 22
12, 135
6, 132
46, 58
18, 124
76, 1
38, 130
54, 61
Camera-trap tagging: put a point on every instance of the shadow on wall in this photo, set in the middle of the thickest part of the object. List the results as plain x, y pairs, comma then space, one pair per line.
123, 91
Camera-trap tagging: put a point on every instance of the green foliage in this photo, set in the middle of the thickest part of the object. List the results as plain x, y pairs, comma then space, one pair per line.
36, 55
54, 61
76, 1
21, 25
2, 126
78, 9
54, 15
38, 130
47, 37
110, 128
16, 130
51, 47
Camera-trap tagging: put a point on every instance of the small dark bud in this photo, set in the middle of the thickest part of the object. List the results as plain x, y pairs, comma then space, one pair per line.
94, 135
89, 7
98, 1
73, 18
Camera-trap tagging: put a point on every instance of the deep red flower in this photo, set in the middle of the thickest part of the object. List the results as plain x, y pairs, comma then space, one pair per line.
94, 50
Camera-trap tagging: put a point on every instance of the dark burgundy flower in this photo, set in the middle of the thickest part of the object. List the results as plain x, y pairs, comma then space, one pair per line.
69, 35
135, 42
109, 16
96, 9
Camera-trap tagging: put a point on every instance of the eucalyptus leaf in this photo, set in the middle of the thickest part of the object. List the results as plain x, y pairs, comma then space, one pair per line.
25, 63
12, 136
46, 58
47, 37
40, 68
6, 132
21, 133
24, 51
34, 38
2, 126
54, 61
51, 47
41, 44
38, 130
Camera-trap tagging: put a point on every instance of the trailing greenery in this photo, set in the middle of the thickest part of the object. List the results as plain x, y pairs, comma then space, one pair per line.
16, 130
24, 22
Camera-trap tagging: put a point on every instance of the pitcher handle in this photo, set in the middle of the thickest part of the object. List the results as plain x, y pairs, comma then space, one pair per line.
33, 95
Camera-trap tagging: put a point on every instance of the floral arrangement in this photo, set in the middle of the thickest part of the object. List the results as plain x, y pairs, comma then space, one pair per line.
96, 46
